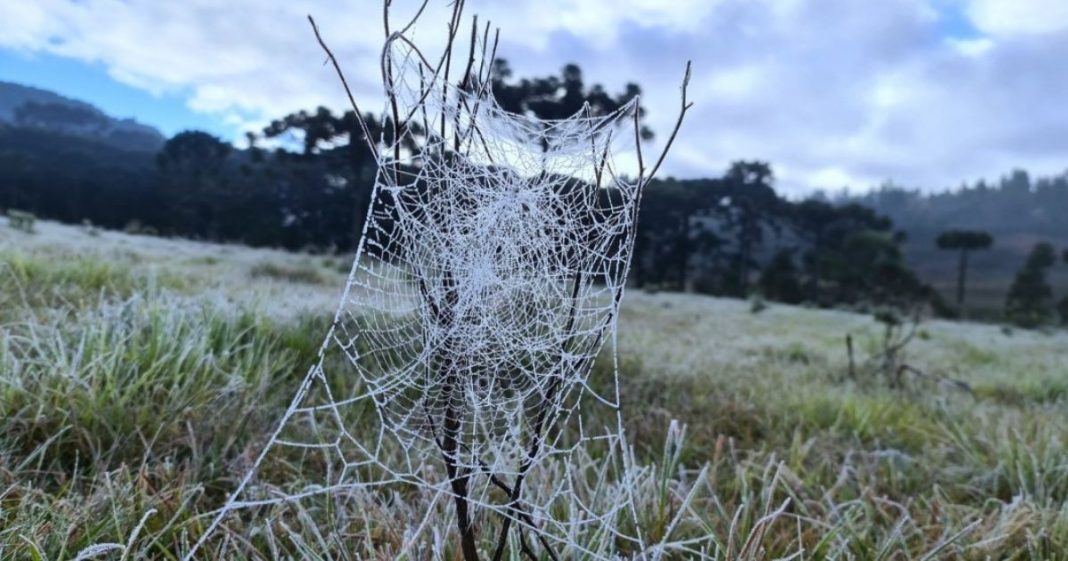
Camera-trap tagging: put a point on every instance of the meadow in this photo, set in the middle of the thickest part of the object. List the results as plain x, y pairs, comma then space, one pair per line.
138, 375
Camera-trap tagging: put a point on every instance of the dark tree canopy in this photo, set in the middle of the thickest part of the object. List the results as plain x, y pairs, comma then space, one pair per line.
558, 97
728, 235
964, 239
713, 234
1029, 302
322, 130
194, 152
1042, 256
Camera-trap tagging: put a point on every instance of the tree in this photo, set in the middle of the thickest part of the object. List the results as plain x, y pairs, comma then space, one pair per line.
325, 187
963, 241
193, 166
1029, 298
553, 97
676, 231
1062, 306
780, 279
852, 254
750, 206
321, 131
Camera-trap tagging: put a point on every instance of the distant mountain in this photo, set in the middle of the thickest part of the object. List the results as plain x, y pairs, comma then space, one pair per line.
34, 108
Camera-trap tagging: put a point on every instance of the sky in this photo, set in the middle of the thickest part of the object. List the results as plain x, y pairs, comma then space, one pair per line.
834, 93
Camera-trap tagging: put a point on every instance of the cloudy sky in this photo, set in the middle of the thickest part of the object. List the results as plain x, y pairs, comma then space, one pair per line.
833, 92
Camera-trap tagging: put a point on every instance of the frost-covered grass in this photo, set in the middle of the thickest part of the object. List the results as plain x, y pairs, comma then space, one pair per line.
139, 376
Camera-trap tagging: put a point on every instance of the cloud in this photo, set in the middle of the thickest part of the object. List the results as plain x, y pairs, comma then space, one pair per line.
832, 92
1016, 17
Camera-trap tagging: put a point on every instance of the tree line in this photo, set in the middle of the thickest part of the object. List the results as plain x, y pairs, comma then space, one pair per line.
731, 235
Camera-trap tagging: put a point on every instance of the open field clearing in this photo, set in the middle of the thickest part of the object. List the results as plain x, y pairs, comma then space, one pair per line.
138, 376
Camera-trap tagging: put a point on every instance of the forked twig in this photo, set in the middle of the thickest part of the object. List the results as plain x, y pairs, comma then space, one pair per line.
686, 105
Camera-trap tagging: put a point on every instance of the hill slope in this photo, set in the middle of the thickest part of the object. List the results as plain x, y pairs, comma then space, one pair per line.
26, 106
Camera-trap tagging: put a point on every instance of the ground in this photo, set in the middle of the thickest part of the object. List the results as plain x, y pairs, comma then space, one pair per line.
138, 375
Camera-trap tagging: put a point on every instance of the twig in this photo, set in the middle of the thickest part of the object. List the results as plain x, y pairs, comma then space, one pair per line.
678, 122
539, 427
344, 83
959, 384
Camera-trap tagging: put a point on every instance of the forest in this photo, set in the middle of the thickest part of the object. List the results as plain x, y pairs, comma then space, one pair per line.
302, 183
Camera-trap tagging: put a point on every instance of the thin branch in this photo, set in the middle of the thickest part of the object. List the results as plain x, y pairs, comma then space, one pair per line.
638, 141
678, 122
391, 91
464, 82
414, 18
539, 427
454, 24
352, 100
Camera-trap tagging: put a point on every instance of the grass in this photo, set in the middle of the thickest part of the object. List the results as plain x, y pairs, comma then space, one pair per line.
138, 378
304, 273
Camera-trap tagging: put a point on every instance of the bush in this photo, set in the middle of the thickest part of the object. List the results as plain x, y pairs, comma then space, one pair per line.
21, 221
135, 227
89, 229
757, 304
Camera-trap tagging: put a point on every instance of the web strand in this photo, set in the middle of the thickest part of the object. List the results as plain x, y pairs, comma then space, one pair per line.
488, 280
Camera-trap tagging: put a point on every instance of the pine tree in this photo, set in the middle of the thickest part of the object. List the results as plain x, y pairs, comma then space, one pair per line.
1030, 296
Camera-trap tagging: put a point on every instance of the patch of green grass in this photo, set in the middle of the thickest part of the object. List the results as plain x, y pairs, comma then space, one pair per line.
124, 392
304, 273
205, 260
1027, 394
112, 383
62, 278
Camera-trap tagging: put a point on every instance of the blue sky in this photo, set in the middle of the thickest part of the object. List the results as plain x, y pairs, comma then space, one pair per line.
953, 20
91, 82
833, 93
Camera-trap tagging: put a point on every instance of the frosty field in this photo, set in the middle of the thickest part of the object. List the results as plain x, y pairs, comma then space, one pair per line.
139, 375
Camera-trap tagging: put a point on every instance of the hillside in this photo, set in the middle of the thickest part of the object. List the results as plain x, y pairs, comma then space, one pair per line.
186, 353
29, 107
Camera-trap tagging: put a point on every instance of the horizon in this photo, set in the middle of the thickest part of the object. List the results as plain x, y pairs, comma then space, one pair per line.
929, 94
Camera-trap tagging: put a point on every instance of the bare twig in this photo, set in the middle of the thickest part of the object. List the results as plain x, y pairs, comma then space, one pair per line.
959, 384
686, 105
352, 100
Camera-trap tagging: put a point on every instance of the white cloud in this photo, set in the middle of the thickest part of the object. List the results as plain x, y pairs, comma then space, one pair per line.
733, 83
832, 92
971, 47
1009, 17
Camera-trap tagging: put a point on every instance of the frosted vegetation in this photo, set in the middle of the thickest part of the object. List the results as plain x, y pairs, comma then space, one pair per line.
456, 371
139, 376
469, 400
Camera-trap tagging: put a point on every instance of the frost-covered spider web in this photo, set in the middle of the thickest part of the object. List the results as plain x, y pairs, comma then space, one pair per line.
487, 282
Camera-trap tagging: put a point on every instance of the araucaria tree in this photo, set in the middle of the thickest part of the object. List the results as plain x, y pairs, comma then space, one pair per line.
963, 241
488, 279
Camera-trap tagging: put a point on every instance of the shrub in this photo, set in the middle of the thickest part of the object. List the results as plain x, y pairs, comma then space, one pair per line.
21, 220
757, 304
89, 229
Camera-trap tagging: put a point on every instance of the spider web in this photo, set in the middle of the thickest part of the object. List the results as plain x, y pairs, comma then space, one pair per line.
487, 283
